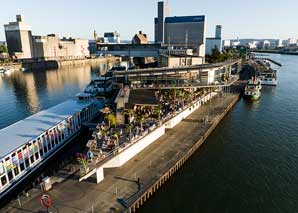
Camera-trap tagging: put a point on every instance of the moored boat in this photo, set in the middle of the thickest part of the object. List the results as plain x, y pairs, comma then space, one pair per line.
268, 78
100, 86
253, 89
29, 143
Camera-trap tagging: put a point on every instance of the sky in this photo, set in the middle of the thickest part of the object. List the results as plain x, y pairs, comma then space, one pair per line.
79, 18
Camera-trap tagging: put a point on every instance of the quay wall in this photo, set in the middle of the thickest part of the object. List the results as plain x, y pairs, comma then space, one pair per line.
55, 64
141, 199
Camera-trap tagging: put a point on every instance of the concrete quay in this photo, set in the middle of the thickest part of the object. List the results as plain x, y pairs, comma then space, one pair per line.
153, 166
55, 64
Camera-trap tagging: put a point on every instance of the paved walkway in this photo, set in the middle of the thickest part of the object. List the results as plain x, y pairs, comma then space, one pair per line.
72, 196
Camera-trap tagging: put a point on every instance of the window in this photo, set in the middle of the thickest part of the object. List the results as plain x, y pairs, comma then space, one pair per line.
62, 135
16, 170
52, 140
25, 157
48, 141
79, 119
31, 152
59, 135
27, 163
8, 165
71, 126
45, 148
36, 156
22, 166
15, 164
32, 159
40, 144
10, 175
3, 180
56, 136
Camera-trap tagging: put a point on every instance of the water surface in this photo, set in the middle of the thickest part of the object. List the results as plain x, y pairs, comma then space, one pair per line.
25, 93
249, 163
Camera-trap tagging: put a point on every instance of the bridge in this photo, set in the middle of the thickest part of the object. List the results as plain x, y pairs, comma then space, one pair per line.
196, 76
129, 50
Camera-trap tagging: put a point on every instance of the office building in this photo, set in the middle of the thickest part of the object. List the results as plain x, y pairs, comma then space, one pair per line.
218, 31
180, 31
214, 42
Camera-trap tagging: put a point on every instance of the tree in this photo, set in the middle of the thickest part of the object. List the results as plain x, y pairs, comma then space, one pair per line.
3, 49
112, 120
128, 129
215, 56
117, 136
83, 162
129, 112
141, 120
157, 111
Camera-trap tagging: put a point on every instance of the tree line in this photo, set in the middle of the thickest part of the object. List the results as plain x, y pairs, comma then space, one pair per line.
216, 56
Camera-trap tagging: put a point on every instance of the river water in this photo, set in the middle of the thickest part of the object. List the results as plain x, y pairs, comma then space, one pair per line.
25, 93
249, 163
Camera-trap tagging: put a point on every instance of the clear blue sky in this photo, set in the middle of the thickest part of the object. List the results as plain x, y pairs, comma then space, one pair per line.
78, 18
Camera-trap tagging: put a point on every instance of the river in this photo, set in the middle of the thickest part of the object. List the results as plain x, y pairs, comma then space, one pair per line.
25, 93
249, 163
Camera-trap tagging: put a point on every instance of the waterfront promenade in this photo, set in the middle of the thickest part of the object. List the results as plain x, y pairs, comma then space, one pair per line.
149, 166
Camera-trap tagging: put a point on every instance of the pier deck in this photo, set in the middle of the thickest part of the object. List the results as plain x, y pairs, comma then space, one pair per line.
149, 166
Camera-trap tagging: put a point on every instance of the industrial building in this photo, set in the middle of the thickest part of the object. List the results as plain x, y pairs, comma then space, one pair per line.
18, 38
140, 38
180, 31
23, 45
50, 47
215, 42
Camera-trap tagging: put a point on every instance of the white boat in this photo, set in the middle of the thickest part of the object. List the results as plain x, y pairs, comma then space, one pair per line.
253, 89
100, 86
29, 143
268, 78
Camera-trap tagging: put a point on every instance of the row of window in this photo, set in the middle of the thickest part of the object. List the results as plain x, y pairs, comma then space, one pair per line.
27, 156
